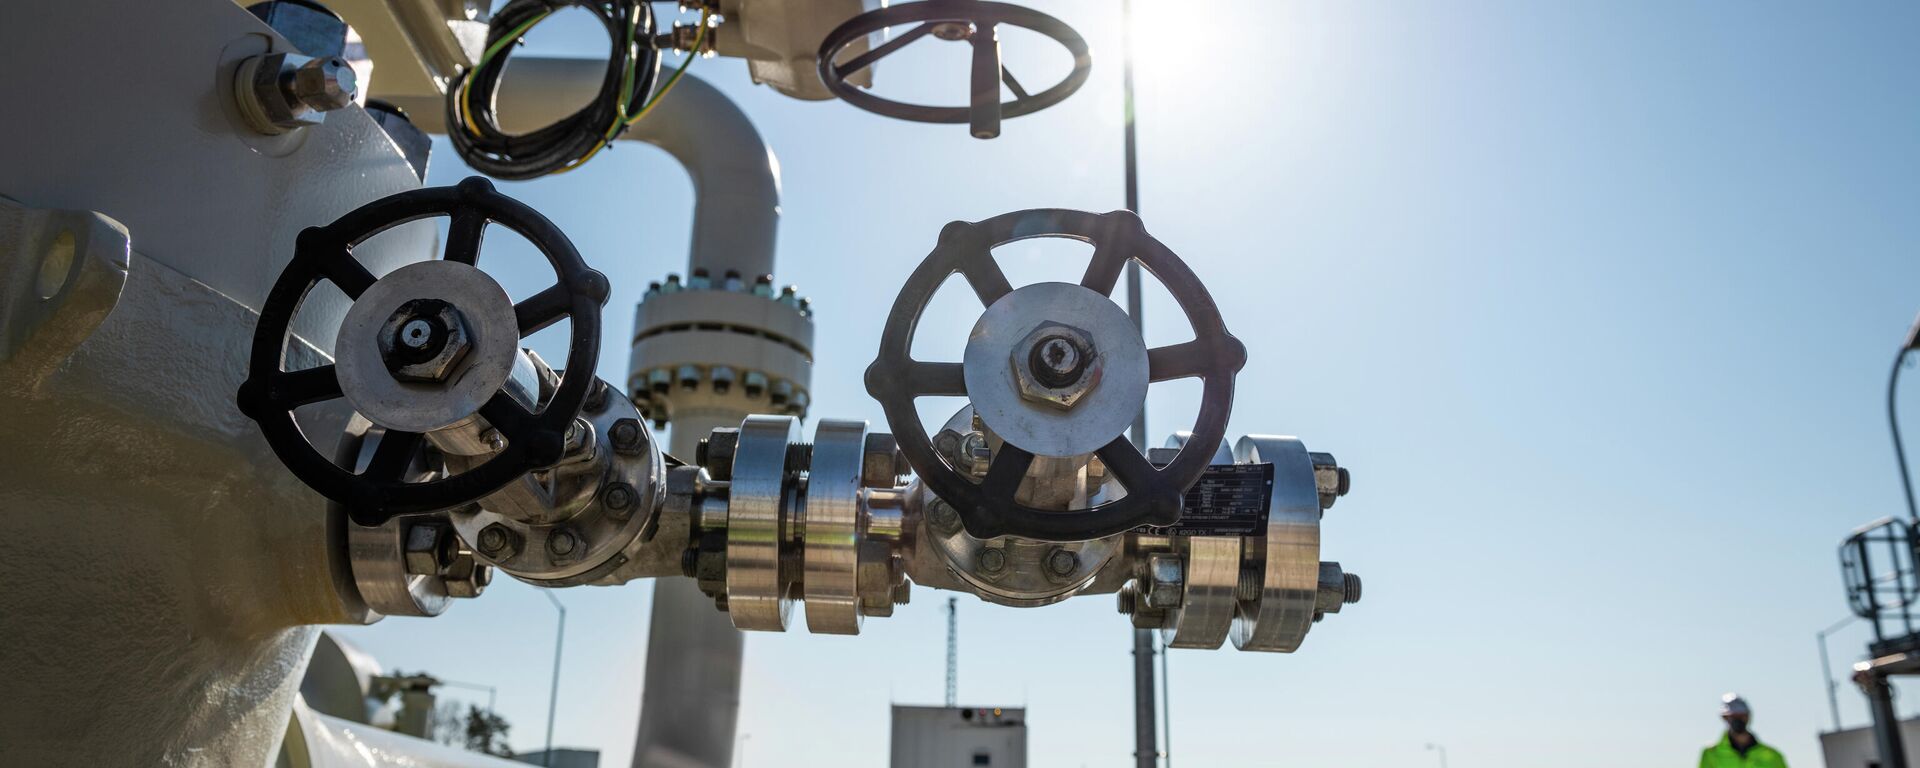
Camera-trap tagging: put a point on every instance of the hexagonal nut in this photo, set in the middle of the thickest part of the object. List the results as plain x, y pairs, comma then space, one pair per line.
721, 444
424, 341
499, 542
1329, 478
1032, 389
429, 548
1166, 580
1334, 589
325, 84
628, 437
881, 462
467, 577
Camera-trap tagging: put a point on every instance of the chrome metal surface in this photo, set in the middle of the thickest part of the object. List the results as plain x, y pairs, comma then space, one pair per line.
579, 520
495, 337
378, 555
831, 527
279, 92
1288, 558
1205, 613
1096, 417
757, 595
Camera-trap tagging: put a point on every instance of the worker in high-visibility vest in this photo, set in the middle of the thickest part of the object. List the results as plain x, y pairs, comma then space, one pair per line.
1738, 747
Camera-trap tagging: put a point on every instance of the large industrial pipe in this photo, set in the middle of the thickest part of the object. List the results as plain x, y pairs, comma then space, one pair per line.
691, 700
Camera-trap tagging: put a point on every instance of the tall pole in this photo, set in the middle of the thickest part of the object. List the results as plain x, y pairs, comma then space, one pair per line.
553, 695
1826, 669
953, 651
1146, 751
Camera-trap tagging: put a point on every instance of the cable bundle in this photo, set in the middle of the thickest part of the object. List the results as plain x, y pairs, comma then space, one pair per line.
632, 68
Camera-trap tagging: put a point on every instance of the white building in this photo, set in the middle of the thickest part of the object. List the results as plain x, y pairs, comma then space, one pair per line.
959, 737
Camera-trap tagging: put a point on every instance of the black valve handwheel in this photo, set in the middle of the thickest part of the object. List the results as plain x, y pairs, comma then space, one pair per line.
979, 22
534, 439
987, 508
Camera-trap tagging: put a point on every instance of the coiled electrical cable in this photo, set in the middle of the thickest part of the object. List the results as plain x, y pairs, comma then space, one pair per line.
633, 66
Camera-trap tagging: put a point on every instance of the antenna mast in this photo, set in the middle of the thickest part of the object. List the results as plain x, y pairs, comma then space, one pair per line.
953, 647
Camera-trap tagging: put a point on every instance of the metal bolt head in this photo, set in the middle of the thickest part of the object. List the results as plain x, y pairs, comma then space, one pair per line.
424, 341
499, 542
881, 462
1337, 588
721, 444
993, 560
977, 453
465, 576
1165, 580
942, 517
562, 543
1055, 365
1062, 561
628, 437
1331, 479
325, 84
428, 549
618, 498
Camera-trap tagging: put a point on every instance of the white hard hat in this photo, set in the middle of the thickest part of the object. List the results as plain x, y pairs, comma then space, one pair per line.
1732, 704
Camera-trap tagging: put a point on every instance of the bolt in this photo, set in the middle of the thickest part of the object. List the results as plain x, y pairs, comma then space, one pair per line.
1055, 365
719, 457
427, 549
755, 383
1165, 580
597, 396
689, 562
1250, 587
416, 333
942, 516
722, 379
424, 341
1350, 588
499, 542
325, 84
1128, 598
1056, 361
1331, 479
1062, 561
993, 560
562, 542
978, 453
627, 437
1337, 588
618, 497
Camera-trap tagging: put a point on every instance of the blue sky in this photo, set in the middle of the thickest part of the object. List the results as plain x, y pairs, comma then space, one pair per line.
1596, 300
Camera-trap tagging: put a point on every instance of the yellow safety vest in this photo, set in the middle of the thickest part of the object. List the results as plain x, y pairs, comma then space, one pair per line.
1723, 755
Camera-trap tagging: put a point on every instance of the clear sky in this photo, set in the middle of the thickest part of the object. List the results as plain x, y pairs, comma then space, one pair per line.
1596, 299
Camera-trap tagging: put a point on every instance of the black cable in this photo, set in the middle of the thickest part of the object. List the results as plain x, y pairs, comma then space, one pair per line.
570, 140
1893, 423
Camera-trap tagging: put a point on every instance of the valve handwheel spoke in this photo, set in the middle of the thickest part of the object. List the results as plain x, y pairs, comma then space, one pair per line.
535, 436
988, 508
976, 21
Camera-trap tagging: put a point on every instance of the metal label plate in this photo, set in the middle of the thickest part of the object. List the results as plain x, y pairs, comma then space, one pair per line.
1229, 500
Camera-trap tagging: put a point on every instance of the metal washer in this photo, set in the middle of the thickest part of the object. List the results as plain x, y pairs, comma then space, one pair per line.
1101, 415
495, 333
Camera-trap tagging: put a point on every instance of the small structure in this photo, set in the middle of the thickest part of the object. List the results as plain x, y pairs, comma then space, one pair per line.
560, 757
959, 737
1855, 748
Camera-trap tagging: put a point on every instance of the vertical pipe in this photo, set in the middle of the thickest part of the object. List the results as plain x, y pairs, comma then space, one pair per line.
1886, 724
